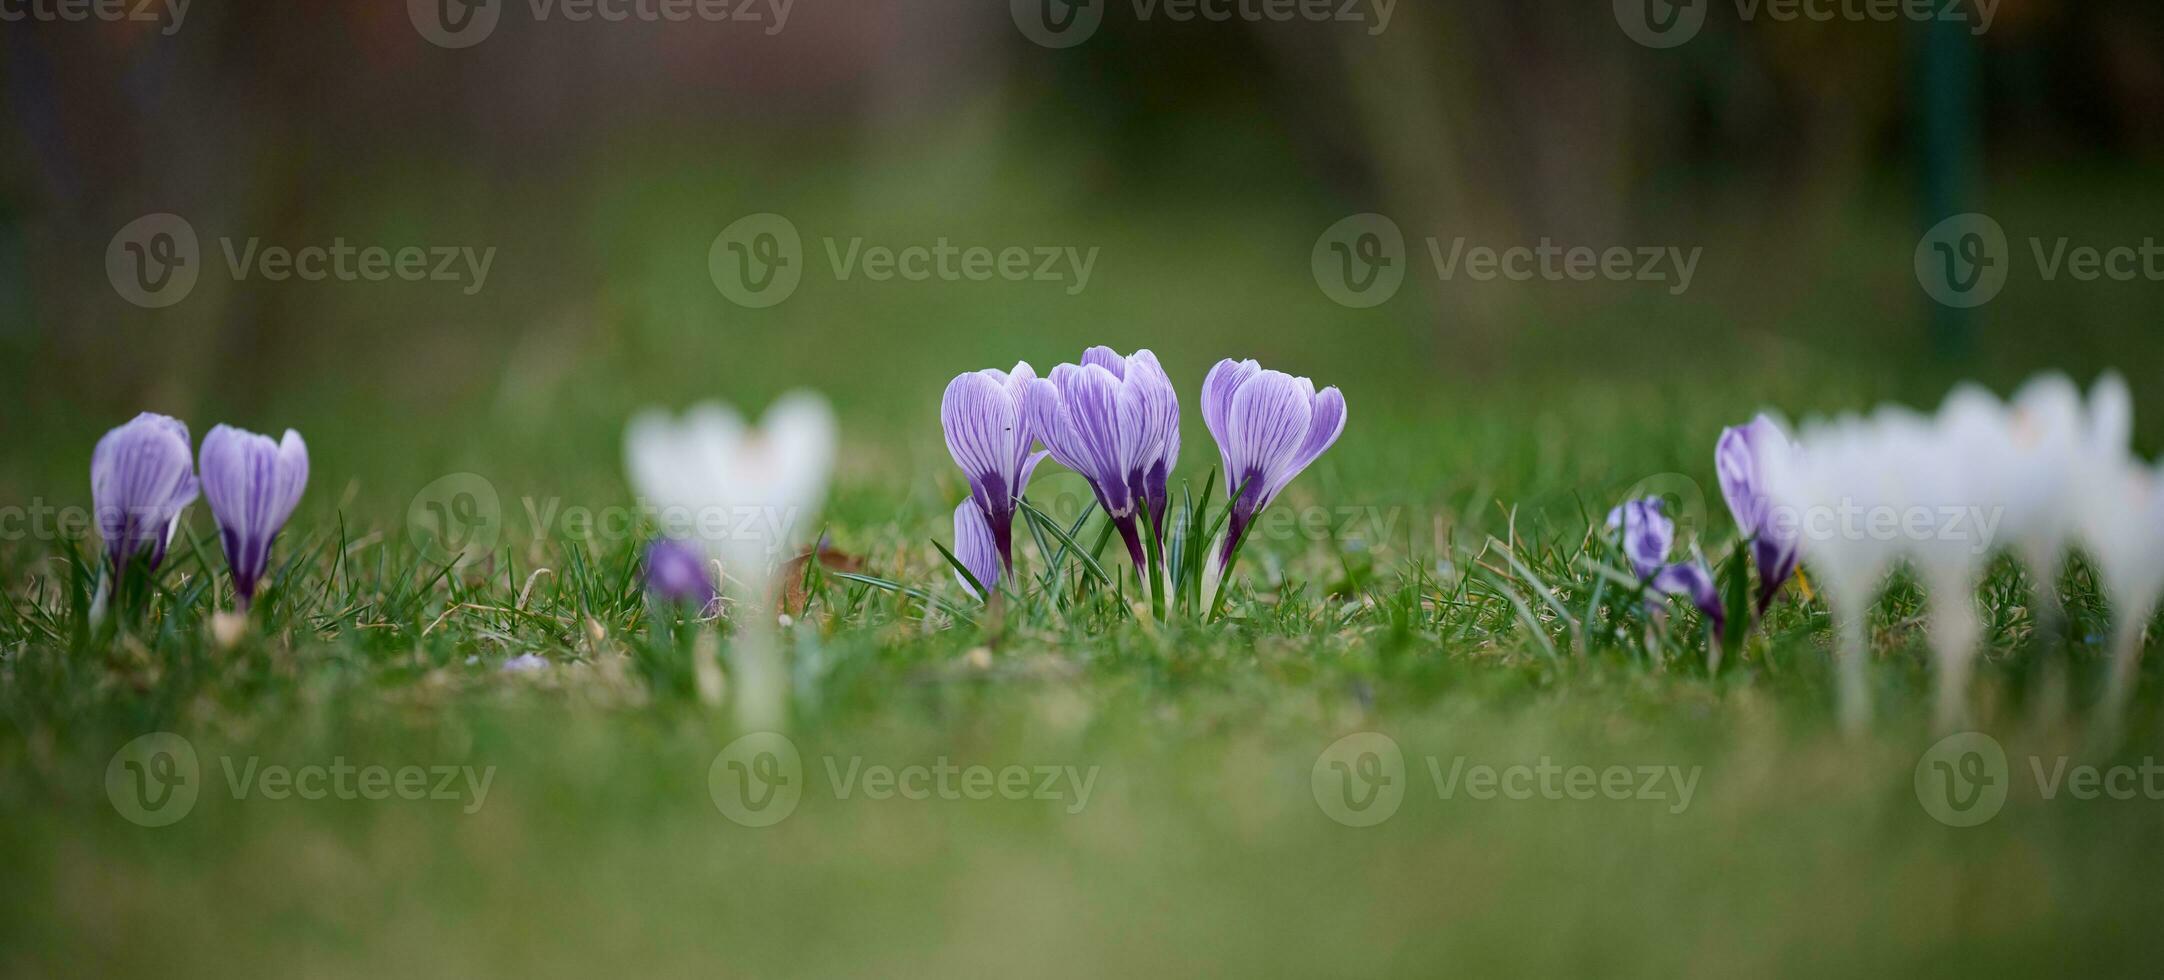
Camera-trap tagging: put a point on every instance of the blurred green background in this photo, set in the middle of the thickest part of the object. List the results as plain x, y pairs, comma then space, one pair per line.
1202, 160
600, 160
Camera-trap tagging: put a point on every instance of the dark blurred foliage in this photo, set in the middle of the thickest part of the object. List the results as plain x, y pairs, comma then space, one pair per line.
1508, 119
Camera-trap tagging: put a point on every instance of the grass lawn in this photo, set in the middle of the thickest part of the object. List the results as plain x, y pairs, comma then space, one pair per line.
1102, 794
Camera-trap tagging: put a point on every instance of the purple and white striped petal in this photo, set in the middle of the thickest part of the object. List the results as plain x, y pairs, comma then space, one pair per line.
1079, 419
676, 571
1217, 388
1264, 427
1647, 534
1693, 580
974, 547
1116, 421
1740, 461
1159, 415
1269, 426
253, 484
989, 433
1326, 422
141, 478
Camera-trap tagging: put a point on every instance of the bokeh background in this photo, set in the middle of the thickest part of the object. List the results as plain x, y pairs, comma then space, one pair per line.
1202, 160
600, 160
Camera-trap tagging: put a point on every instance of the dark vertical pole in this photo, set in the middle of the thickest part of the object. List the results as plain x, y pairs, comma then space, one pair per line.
1949, 153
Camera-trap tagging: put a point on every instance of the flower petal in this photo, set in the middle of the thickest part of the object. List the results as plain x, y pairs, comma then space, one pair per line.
1324, 426
1264, 427
1691, 579
142, 475
974, 547
1217, 389
982, 423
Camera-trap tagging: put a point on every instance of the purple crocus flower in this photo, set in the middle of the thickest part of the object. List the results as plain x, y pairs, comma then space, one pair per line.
989, 433
1269, 426
252, 484
1116, 421
676, 572
142, 475
1648, 534
1740, 461
975, 548
1692, 580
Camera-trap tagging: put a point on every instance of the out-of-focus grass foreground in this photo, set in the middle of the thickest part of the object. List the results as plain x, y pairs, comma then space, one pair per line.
458, 246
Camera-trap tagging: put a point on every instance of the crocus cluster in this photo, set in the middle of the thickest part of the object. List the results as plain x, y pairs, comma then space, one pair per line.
1115, 421
142, 478
1648, 534
1857, 495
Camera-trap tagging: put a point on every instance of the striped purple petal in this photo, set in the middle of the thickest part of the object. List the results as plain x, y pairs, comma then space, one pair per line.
1693, 580
1217, 388
253, 484
989, 433
1264, 427
1116, 421
1078, 415
1647, 534
1739, 459
974, 546
141, 478
1158, 449
1269, 426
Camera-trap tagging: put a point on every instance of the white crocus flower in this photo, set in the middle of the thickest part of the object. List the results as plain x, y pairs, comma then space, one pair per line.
1839, 475
1956, 484
742, 494
2119, 517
